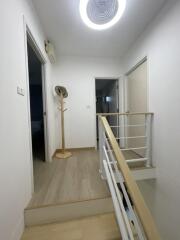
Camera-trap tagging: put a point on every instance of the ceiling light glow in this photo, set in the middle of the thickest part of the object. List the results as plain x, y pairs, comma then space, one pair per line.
83, 8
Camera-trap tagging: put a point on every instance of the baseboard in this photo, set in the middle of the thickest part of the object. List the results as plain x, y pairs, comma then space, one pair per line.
18, 230
74, 149
81, 149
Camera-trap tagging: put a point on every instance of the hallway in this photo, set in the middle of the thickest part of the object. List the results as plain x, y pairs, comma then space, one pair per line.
76, 43
68, 180
71, 180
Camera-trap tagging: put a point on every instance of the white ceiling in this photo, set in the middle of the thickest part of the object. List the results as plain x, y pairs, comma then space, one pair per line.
63, 26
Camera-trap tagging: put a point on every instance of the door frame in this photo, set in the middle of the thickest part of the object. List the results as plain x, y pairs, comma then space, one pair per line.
29, 38
120, 81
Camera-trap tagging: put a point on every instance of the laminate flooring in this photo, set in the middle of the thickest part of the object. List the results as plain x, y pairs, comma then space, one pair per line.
70, 180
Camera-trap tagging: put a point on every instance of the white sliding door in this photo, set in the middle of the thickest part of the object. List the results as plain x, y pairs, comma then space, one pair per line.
137, 102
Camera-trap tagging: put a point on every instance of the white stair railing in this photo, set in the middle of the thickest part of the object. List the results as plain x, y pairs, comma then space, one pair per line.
135, 138
133, 217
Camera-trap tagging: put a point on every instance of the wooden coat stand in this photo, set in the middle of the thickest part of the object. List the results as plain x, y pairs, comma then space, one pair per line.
62, 153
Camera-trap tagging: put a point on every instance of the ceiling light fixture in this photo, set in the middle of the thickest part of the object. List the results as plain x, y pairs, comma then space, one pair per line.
101, 14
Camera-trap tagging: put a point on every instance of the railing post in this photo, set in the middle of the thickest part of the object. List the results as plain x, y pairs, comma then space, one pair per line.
126, 131
148, 130
101, 144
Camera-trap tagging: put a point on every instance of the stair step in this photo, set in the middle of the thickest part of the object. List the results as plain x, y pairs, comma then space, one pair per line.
66, 212
99, 227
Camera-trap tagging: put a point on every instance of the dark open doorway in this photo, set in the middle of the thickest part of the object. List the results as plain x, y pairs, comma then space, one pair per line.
36, 105
107, 100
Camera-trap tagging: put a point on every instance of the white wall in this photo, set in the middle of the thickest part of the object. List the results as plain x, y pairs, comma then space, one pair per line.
161, 44
15, 167
78, 74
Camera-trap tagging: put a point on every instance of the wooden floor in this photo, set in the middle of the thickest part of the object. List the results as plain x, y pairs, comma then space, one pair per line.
71, 180
101, 227
68, 180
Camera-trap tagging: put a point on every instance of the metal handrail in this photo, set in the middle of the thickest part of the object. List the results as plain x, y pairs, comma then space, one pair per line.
147, 228
142, 131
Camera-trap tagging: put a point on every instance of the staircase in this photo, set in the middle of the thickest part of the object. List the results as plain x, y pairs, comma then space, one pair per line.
98, 227
121, 215
129, 205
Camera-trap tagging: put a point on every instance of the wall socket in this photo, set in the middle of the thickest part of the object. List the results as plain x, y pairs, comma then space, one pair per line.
20, 91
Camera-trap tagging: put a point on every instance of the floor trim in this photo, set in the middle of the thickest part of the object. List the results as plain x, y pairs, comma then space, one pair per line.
74, 149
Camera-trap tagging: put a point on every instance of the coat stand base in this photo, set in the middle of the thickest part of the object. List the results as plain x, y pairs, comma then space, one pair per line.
63, 154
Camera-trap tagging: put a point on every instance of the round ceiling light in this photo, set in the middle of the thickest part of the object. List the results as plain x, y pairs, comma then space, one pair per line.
101, 14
